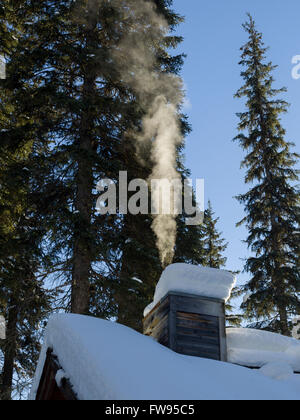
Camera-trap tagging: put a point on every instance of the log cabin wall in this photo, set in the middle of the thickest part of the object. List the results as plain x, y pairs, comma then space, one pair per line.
190, 325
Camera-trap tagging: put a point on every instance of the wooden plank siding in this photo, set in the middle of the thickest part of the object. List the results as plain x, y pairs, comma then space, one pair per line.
189, 325
48, 389
198, 334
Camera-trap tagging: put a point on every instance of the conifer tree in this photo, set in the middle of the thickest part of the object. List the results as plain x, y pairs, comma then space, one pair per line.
95, 111
272, 203
82, 113
213, 245
83, 104
213, 248
23, 300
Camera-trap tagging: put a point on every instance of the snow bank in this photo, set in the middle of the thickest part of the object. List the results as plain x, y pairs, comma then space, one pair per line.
107, 361
256, 348
201, 281
280, 371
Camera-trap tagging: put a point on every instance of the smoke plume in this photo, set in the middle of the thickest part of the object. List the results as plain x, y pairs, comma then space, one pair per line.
140, 31
160, 94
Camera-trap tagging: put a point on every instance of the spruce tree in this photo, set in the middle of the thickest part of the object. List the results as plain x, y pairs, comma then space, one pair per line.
272, 203
23, 300
82, 116
213, 244
96, 111
213, 248
82, 97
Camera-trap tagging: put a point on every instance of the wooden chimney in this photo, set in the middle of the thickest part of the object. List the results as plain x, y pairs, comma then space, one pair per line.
190, 325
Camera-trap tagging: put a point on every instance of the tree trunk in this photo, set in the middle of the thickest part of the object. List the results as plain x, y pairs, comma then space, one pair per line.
282, 307
82, 251
130, 312
82, 258
10, 350
284, 325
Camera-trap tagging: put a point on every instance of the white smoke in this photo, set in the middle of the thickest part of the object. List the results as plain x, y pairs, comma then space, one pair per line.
160, 95
142, 31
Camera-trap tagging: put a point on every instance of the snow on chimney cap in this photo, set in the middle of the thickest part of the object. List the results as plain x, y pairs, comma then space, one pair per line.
195, 280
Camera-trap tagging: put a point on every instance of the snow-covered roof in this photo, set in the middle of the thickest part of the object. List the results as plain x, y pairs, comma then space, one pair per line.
192, 279
255, 348
107, 361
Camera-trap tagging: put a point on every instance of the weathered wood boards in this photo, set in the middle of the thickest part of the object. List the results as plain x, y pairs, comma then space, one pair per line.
189, 325
156, 324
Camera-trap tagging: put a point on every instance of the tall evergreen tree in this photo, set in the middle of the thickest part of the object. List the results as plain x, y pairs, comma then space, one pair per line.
83, 104
213, 244
95, 111
272, 203
68, 116
23, 300
213, 248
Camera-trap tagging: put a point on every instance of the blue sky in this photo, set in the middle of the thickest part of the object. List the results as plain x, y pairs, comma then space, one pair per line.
212, 39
